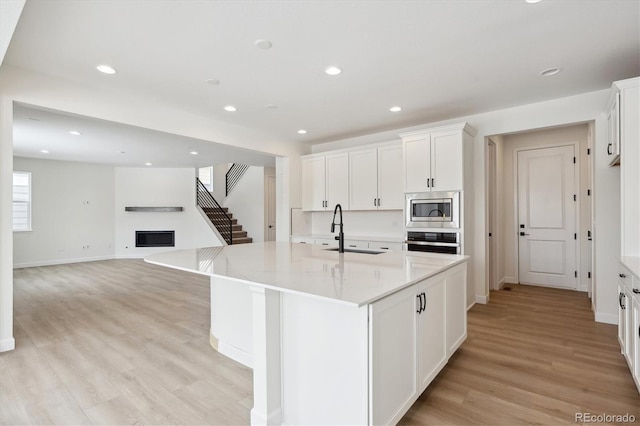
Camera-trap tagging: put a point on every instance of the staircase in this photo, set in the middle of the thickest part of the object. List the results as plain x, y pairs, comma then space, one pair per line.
220, 217
238, 236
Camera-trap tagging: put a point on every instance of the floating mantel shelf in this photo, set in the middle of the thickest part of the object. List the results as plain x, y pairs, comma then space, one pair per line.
153, 209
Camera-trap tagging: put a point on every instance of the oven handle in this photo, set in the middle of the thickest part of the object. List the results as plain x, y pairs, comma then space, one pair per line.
425, 243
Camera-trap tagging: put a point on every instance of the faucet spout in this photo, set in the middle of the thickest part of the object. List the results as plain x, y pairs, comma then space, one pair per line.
340, 236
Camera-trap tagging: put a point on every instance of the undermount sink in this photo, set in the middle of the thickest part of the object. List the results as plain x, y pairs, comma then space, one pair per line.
356, 251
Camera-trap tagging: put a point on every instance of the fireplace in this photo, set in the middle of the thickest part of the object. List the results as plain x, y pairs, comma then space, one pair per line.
155, 238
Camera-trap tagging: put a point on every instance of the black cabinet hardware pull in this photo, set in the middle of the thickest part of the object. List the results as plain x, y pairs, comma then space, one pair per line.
636, 291
609, 149
428, 182
433, 183
620, 300
424, 298
419, 309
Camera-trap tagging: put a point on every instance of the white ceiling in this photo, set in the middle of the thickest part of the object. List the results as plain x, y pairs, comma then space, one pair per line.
105, 142
436, 59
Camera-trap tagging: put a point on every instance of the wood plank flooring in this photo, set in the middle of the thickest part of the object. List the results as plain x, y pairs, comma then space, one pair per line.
533, 356
125, 342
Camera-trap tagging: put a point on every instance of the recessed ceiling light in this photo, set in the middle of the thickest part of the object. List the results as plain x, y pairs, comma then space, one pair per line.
75, 132
549, 72
271, 106
212, 81
302, 132
263, 44
44, 151
106, 69
194, 153
395, 109
332, 70
230, 108
148, 164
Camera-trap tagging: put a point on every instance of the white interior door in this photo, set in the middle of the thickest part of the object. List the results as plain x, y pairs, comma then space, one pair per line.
271, 208
547, 217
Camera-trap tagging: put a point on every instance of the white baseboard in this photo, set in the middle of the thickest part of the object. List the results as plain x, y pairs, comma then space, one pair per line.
61, 261
482, 299
132, 256
7, 344
607, 318
273, 418
469, 306
235, 354
510, 280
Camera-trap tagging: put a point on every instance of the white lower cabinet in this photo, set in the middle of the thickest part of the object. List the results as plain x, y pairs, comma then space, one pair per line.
377, 245
412, 335
432, 348
635, 332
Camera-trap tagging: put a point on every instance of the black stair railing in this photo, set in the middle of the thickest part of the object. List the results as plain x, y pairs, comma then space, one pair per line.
214, 212
235, 172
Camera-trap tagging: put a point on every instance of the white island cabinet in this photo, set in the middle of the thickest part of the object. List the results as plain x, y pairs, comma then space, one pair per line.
332, 338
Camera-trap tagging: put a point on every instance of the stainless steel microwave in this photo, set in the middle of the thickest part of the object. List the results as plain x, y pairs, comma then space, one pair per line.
432, 210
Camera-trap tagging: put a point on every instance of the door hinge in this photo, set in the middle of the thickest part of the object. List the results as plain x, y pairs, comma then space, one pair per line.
575, 197
575, 236
588, 274
588, 151
589, 192
575, 274
574, 160
588, 234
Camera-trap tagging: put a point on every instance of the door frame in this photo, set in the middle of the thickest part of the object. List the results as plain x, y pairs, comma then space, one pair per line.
492, 211
516, 213
270, 198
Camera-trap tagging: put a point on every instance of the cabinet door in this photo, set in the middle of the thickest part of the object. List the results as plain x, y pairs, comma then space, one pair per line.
417, 164
390, 192
432, 351
392, 356
363, 177
446, 161
636, 341
622, 318
337, 181
456, 302
313, 183
629, 331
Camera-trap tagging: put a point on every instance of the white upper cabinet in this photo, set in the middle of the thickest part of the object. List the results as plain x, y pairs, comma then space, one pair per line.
363, 182
337, 181
376, 178
313, 183
613, 130
390, 192
325, 182
433, 161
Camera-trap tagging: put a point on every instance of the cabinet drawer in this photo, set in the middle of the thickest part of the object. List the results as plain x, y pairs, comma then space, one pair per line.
302, 240
378, 245
326, 242
625, 277
356, 244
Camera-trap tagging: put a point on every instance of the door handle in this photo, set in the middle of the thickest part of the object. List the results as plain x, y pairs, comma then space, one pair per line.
636, 291
522, 234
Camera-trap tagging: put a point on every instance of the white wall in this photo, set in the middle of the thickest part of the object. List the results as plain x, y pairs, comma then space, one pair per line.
219, 182
385, 223
246, 202
72, 216
20, 85
508, 247
569, 110
157, 187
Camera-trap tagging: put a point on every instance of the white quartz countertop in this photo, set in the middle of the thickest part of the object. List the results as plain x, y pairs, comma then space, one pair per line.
312, 270
632, 263
352, 237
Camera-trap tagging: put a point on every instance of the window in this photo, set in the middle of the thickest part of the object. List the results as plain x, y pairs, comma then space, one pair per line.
205, 174
21, 201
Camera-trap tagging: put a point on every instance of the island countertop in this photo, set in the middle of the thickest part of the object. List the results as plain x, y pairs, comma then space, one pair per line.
312, 270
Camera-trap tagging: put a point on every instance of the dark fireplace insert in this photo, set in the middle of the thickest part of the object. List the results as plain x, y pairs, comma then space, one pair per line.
155, 238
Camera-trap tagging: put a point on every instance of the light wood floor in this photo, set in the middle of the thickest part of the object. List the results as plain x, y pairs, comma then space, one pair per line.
125, 342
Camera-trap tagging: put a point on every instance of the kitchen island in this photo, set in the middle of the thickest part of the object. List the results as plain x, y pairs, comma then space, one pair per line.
351, 338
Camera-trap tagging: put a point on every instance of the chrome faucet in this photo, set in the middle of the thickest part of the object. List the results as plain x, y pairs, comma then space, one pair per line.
340, 236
